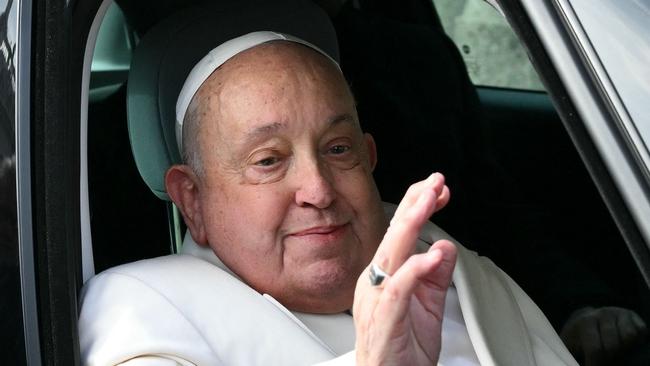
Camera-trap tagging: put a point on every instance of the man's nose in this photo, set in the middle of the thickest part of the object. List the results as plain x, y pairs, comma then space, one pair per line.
314, 186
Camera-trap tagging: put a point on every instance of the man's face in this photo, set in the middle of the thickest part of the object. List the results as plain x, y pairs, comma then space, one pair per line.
287, 200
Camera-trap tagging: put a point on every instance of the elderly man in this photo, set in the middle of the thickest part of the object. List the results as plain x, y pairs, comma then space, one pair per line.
288, 235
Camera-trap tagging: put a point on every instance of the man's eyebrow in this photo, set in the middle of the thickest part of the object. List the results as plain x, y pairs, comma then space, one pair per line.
269, 129
345, 117
264, 130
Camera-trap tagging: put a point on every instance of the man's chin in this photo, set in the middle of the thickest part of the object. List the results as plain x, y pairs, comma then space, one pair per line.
317, 304
327, 292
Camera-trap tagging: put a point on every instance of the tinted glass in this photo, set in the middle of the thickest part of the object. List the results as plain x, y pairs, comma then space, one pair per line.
11, 325
620, 34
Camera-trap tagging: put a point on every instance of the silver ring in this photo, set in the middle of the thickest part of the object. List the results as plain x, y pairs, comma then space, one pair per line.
377, 275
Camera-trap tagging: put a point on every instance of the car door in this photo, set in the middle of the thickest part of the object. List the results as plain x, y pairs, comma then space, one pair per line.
11, 318
49, 53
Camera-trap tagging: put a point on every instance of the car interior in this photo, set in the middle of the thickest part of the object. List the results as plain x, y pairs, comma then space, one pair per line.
521, 194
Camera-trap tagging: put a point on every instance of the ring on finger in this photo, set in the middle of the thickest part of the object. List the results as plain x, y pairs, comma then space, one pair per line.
377, 275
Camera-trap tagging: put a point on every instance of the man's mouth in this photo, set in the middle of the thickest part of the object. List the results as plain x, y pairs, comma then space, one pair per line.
320, 230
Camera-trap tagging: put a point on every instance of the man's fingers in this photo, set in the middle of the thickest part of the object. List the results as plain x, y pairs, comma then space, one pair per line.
443, 198
435, 181
449, 255
430, 272
399, 242
396, 295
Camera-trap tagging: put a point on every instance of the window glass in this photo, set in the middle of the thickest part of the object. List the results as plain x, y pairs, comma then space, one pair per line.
620, 35
492, 52
12, 341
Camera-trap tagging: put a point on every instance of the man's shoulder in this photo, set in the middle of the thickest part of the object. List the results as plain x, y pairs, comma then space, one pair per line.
172, 267
184, 306
128, 310
168, 278
181, 282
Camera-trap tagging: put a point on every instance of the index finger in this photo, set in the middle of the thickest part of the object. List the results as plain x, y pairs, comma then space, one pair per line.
435, 181
415, 209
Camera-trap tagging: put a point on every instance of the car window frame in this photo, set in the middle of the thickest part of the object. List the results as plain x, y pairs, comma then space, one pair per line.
57, 36
58, 335
602, 79
586, 20
588, 118
23, 187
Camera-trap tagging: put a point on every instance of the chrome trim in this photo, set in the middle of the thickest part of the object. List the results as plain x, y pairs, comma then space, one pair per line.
605, 83
24, 187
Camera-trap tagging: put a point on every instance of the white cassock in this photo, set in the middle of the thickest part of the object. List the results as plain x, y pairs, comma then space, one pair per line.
189, 309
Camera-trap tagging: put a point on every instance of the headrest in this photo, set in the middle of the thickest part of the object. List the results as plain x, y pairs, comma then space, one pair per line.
166, 55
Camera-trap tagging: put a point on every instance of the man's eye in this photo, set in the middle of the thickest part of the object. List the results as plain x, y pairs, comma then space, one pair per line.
267, 161
339, 149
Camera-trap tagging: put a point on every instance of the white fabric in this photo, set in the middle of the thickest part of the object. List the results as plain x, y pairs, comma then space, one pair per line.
217, 57
184, 310
185, 307
337, 330
457, 349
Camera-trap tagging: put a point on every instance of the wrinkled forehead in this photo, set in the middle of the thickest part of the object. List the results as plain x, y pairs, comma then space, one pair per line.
265, 88
270, 66
237, 48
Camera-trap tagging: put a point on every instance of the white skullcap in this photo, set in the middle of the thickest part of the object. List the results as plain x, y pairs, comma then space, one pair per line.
217, 57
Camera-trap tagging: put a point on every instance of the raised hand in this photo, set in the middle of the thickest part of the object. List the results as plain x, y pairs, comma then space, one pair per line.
399, 322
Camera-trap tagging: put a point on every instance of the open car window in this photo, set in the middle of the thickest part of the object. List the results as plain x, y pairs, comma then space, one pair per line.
520, 191
523, 149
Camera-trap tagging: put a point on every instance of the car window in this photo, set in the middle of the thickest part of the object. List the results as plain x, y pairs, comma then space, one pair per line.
556, 237
11, 323
495, 58
493, 54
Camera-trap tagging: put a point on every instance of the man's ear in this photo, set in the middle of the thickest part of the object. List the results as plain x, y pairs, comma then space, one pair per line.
372, 150
183, 188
